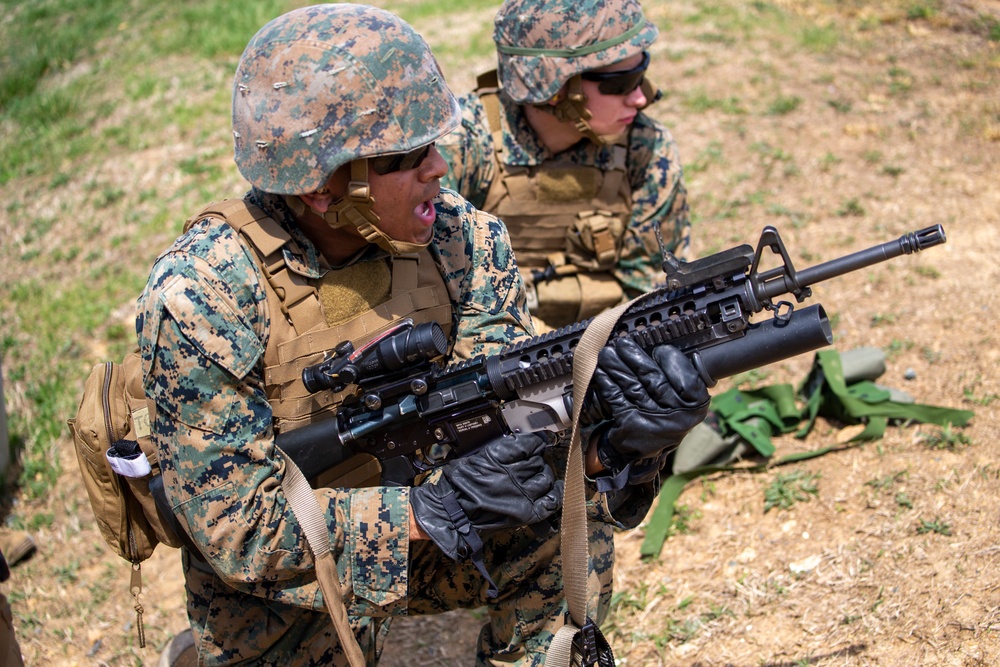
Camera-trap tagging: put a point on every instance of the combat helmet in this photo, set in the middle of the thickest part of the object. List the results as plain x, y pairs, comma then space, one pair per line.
544, 44
332, 84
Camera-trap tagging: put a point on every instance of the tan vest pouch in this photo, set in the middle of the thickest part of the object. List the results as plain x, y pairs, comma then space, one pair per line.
142, 414
576, 297
111, 435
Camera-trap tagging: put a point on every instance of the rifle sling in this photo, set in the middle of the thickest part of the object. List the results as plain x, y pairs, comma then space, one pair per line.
575, 555
307, 511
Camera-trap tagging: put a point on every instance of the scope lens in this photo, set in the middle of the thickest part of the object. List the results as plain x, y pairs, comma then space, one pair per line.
314, 378
427, 341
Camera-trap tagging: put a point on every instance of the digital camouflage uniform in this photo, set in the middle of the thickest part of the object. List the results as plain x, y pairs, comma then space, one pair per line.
607, 31
203, 327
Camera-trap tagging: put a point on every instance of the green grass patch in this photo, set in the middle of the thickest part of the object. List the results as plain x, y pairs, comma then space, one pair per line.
787, 489
43, 357
700, 101
45, 37
783, 104
922, 10
53, 91
936, 525
731, 23
210, 29
947, 437
888, 482
819, 39
711, 155
989, 26
901, 81
969, 395
851, 208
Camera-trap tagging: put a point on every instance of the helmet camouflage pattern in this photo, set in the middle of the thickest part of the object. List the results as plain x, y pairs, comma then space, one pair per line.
541, 44
324, 85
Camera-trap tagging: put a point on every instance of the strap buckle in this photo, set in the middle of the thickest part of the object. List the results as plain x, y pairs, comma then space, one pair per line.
590, 648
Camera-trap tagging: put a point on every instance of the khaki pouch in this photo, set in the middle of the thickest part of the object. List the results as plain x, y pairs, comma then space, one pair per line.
111, 435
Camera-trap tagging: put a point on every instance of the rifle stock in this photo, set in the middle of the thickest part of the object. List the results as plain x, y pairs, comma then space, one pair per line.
413, 413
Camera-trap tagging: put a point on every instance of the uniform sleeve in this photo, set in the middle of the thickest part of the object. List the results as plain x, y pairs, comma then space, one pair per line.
469, 152
202, 331
481, 275
659, 200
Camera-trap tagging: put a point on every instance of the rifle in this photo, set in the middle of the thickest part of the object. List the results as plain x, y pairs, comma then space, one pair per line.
413, 413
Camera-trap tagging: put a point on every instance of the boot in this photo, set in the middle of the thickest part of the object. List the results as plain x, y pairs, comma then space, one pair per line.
180, 651
16, 545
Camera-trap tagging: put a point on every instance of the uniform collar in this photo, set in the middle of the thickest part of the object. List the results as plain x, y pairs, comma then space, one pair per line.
520, 143
301, 255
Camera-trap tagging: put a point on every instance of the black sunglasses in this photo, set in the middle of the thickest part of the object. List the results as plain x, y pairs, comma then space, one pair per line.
621, 82
387, 164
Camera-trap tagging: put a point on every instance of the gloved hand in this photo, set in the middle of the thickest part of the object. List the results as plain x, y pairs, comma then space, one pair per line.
505, 484
655, 400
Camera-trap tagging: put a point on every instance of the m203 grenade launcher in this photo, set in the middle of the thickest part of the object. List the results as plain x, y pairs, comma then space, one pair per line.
413, 413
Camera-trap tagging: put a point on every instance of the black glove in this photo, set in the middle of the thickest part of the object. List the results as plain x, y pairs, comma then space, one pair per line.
655, 400
505, 484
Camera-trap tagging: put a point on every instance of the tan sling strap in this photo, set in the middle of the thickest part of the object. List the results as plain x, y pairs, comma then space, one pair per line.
575, 555
310, 516
488, 88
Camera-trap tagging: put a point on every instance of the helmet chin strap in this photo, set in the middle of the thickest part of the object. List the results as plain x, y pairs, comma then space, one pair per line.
572, 108
355, 208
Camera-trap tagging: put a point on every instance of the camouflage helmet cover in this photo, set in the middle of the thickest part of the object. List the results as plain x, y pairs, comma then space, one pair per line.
542, 44
326, 84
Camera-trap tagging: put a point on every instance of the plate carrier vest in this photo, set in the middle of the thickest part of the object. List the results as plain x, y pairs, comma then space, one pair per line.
566, 224
299, 335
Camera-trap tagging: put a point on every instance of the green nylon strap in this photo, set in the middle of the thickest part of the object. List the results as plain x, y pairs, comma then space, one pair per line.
756, 415
663, 514
831, 397
826, 394
757, 432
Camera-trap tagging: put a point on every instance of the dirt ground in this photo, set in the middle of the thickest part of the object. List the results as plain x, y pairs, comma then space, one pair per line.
896, 559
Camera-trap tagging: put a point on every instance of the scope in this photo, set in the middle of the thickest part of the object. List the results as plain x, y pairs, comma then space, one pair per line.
403, 346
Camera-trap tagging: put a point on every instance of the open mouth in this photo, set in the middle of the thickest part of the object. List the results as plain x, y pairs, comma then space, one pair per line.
426, 212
